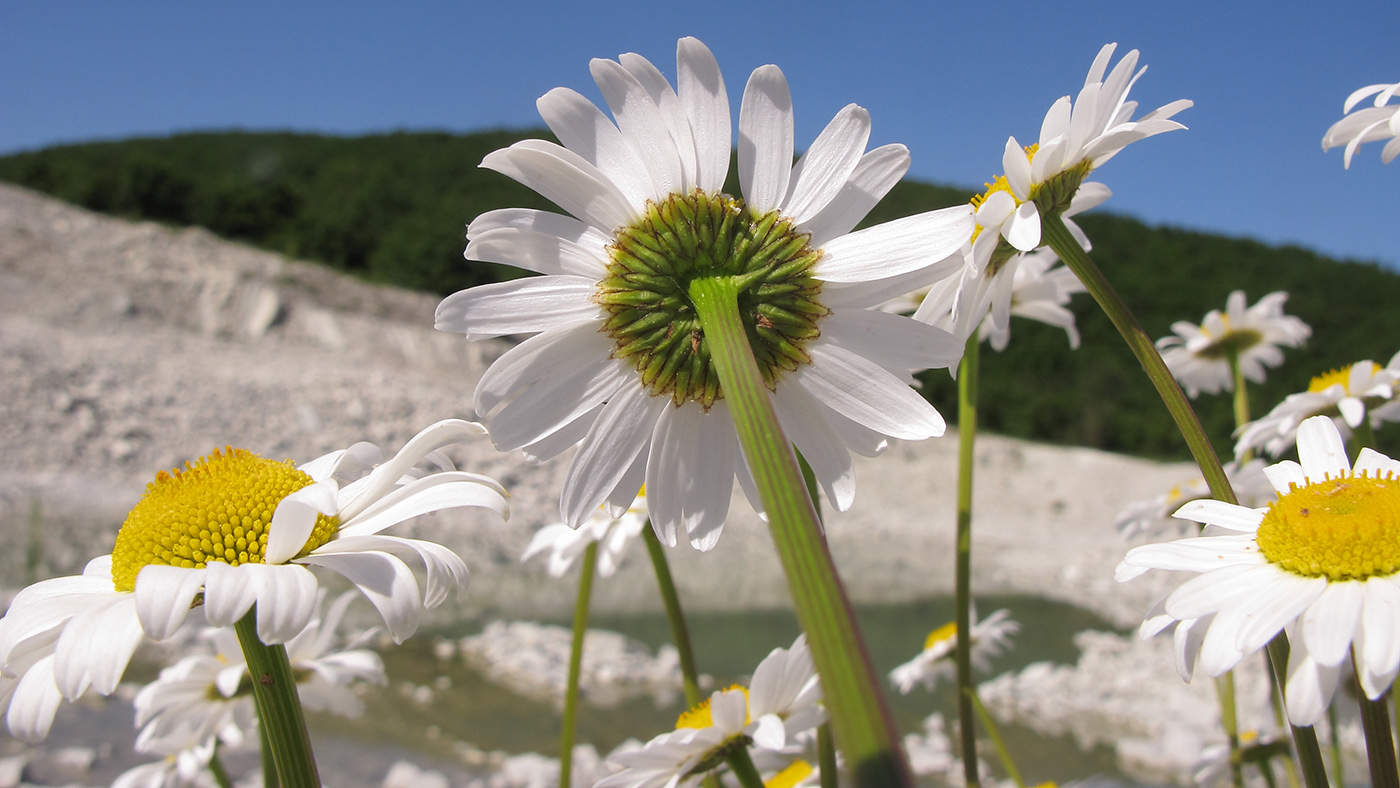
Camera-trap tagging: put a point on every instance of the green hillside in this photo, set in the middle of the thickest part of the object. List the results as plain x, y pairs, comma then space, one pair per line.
393, 208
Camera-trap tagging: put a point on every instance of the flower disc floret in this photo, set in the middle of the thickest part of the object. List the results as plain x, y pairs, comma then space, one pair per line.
699, 715
1345, 528
1329, 379
217, 509
688, 236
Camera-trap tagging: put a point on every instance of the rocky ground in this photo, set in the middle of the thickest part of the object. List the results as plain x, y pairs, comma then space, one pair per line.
126, 348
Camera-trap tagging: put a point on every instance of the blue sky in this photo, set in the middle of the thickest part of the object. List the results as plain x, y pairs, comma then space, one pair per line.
950, 80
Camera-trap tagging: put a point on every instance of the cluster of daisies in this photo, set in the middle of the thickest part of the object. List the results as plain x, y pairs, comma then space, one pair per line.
616, 366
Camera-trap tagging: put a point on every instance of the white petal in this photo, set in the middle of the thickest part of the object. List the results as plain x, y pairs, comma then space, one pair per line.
700, 88
1022, 230
1331, 621
1198, 554
770, 733
896, 247
229, 592
893, 342
556, 401
692, 468
1017, 169
34, 702
672, 112
1309, 687
96, 646
1225, 515
286, 603
823, 170
1379, 647
432, 493
585, 130
385, 580
1372, 463
554, 352
609, 450
643, 125
519, 306
867, 394
446, 570
567, 180
877, 172
164, 595
801, 419
1284, 475
1320, 449
295, 517
765, 139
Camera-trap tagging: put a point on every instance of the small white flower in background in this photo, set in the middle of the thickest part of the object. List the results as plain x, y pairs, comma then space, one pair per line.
407, 775
1153, 517
1347, 395
1377, 122
618, 363
990, 638
1027, 285
1213, 766
231, 531
613, 534
210, 693
1199, 355
1322, 559
1076, 137
930, 752
185, 763
783, 703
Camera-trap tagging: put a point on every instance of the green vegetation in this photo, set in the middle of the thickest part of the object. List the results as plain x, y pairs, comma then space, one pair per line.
393, 208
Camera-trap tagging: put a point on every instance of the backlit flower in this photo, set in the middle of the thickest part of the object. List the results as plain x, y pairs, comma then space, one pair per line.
1347, 395
1322, 559
1199, 356
1153, 517
612, 534
990, 638
236, 532
618, 363
1377, 122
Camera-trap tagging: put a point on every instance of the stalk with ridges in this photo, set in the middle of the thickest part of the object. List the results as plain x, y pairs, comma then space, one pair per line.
279, 708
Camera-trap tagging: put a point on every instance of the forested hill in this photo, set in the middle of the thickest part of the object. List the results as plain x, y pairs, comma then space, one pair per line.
393, 208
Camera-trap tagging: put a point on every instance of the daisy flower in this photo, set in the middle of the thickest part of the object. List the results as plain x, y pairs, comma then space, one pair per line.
990, 638
236, 532
1027, 285
185, 763
1076, 138
612, 534
210, 693
1346, 394
1377, 122
1199, 356
1153, 517
1322, 559
782, 703
618, 363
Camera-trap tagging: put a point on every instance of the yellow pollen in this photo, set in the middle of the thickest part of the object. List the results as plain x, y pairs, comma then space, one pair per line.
1327, 380
948, 631
217, 509
1345, 528
699, 716
796, 772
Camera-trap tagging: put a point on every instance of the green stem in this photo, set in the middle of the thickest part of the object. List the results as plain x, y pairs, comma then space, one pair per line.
860, 715
269, 769
1362, 436
968, 372
1336, 748
826, 756
1225, 694
566, 735
1241, 392
742, 766
680, 635
279, 708
1002, 751
1380, 747
216, 768
1058, 237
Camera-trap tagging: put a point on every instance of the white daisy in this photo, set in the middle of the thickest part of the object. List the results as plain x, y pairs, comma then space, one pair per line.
1377, 122
1076, 138
782, 703
612, 534
618, 363
210, 693
1027, 285
235, 531
184, 764
990, 638
1199, 356
1346, 394
1323, 558
1153, 517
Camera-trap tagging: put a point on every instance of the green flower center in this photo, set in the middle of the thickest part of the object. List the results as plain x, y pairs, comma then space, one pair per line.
1342, 529
217, 508
690, 236
1231, 343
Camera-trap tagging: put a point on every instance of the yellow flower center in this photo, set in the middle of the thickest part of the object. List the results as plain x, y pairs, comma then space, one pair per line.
796, 772
1328, 379
217, 509
1341, 529
948, 631
699, 715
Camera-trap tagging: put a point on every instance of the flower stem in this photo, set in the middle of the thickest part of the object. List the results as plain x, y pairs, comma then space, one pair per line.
969, 369
269, 769
279, 708
860, 714
742, 766
990, 724
1055, 233
1380, 748
826, 756
1225, 694
680, 634
566, 735
1241, 392
216, 768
